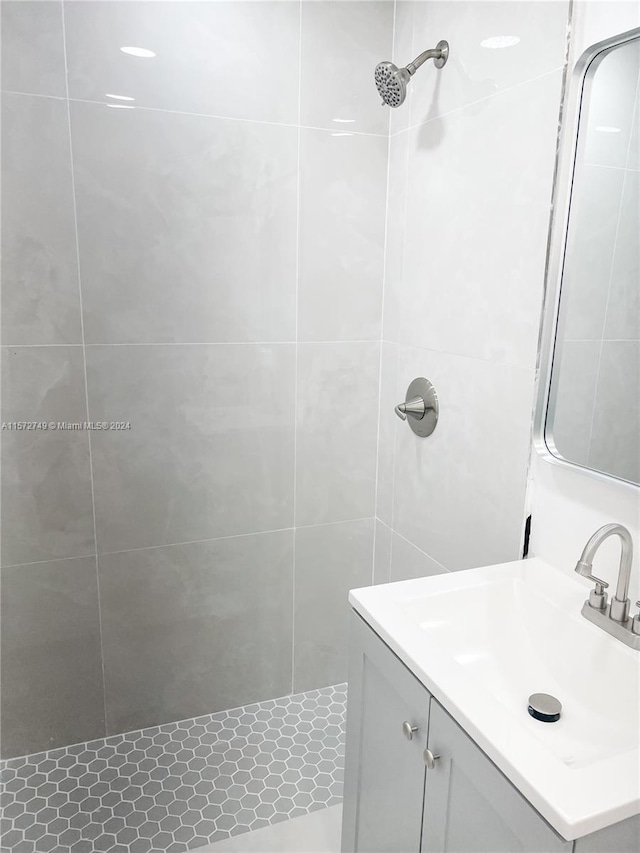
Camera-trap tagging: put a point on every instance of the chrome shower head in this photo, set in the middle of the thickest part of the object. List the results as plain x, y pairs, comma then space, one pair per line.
391, 81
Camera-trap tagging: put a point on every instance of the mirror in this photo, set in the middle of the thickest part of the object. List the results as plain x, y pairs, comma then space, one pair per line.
593, 411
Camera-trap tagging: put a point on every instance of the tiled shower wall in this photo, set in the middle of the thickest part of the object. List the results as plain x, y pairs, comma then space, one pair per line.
205, 263
471, 169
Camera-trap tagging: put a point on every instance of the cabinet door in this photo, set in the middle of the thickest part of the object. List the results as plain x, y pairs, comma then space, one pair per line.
470, 806
384, 771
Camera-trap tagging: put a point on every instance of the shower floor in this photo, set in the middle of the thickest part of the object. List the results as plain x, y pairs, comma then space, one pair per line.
182, 785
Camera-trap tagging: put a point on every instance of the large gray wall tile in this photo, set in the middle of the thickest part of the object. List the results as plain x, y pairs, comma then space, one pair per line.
595, 208
343, 181
623, 307
331, 559
341, 45
633, 155
615, 441
407, 561
223, 58
40, 296
193, 629
210, 449
476, 225
51, 667
46, 480
394, 243
336, 431
400, 119
32, 47
382, 552
473, 72
612, 96
571, 424
460, 494
187, 226
388, 424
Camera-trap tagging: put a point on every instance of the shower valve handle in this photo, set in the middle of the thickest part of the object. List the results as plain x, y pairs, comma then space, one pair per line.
420, 408
415, 407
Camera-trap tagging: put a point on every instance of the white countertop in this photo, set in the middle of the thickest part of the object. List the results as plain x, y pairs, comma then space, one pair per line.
481, 641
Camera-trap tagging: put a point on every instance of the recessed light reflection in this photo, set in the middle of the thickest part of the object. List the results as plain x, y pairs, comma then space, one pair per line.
496, 42
343, 120
119, 97
121, 106
142, 52
342, 134
606, 129
469, 657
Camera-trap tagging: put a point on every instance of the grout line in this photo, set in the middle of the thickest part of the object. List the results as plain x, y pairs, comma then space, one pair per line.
413, 545
194, 344
230, 343
34, 95
295, 369
478, 101
600, 340
44, 562
237, 536
192, 542
34, 346
384, 284
84, 364
396, 431
497, 363
141, 108
424, 553
609, 166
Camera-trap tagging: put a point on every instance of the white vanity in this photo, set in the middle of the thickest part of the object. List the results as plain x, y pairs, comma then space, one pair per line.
442, 754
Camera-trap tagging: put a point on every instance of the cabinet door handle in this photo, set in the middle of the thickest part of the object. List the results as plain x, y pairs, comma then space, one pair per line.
408, 730
430, 759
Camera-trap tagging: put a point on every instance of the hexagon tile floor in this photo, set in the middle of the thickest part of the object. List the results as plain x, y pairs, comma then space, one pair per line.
179, 786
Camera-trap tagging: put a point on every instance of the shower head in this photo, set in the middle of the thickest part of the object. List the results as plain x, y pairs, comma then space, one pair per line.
391, 81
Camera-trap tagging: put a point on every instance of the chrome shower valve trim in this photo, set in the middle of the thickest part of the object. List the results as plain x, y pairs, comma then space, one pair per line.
420, 408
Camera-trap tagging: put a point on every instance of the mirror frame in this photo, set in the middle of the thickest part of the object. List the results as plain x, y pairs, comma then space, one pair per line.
565, 166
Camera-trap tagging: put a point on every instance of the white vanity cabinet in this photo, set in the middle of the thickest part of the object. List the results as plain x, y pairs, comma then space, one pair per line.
470, 805
464, 804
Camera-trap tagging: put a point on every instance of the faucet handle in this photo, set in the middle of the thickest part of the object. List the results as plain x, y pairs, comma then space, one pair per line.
597, 596
586, 570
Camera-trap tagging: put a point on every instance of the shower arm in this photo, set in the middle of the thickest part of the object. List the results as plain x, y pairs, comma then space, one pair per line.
434, 53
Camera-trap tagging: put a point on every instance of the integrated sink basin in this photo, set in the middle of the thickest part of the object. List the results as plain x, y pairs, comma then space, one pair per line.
482, 641
513, 641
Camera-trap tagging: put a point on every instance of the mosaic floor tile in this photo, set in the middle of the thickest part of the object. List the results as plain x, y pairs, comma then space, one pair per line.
179, 786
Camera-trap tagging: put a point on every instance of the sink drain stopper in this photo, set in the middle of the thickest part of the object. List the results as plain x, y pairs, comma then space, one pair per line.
544, 707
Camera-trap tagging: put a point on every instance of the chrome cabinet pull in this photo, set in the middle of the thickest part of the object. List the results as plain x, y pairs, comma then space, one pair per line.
408, 730
430, 759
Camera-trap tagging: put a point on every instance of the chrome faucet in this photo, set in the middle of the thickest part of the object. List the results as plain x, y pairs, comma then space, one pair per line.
613, 618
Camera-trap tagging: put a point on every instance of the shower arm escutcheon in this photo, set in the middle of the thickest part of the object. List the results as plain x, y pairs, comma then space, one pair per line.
420, 408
